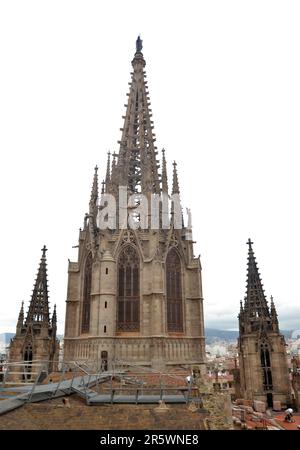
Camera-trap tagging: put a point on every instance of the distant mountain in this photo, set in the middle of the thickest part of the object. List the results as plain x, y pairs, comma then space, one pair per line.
213, 334
5, 338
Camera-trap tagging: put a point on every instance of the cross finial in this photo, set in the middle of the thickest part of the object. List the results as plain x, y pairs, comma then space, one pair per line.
249, 242
96, 168
44, 250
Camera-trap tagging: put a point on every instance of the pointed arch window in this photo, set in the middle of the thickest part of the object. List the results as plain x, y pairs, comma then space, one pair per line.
86, 304
174, 292
266, 366
104, 360
128, 306
28, 358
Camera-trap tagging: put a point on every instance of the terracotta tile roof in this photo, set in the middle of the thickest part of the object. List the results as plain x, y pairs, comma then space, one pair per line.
288, 426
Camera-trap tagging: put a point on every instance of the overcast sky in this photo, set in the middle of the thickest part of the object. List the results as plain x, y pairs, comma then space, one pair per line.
224, 85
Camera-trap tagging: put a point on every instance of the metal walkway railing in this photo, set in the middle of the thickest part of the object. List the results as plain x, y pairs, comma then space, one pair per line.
79, 378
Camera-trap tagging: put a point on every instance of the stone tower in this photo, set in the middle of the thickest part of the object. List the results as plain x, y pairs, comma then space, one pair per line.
262, 355
35, 338
296, 381
135, 292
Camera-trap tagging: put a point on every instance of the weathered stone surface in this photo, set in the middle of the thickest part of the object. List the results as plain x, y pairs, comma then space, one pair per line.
277, 405
50, 415
259, 406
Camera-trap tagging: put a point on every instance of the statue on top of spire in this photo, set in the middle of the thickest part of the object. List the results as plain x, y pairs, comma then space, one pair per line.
139, 44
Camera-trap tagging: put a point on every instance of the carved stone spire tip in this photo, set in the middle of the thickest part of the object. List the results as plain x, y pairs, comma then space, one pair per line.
94, 192
164, 172
107, 176
175, 189
54, 316
139, 44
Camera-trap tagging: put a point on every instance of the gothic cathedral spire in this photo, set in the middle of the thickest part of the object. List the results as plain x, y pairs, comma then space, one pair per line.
255, 300
39, 305
128, 279
137, 162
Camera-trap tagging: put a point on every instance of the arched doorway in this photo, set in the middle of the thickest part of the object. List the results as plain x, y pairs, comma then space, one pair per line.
270, 400
104, 361
28, 358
